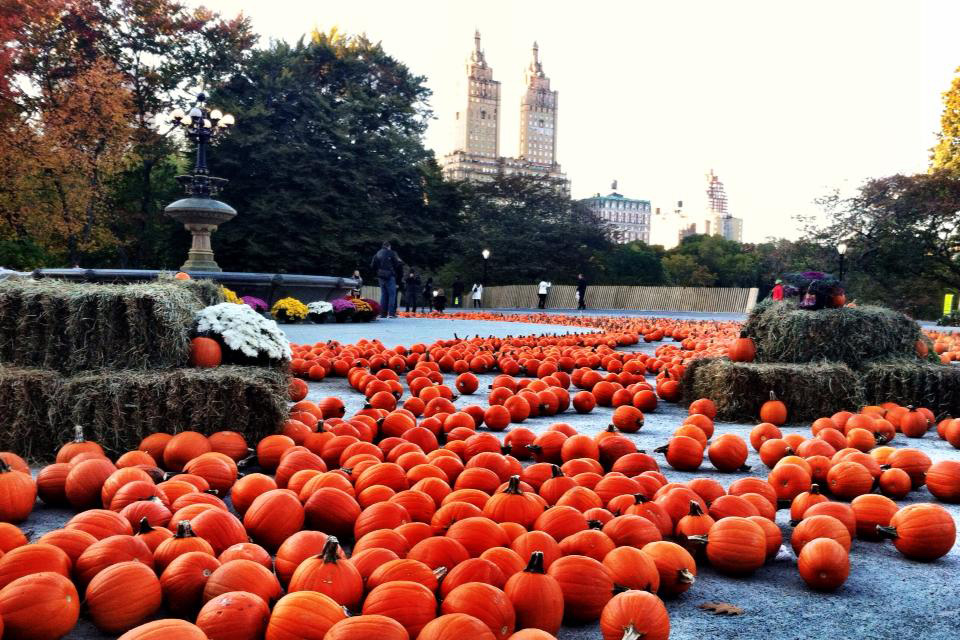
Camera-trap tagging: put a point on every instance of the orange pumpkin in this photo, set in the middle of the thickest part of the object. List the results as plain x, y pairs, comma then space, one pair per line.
205, 353
635, 614
824, 564
40, 606
123, 595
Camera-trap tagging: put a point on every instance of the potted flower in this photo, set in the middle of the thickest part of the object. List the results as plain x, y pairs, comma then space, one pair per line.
289, 310
343, 309
364, 310
374, 307
320, 311
257, 304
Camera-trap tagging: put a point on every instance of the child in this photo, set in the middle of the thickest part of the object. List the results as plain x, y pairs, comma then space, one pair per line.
440, 301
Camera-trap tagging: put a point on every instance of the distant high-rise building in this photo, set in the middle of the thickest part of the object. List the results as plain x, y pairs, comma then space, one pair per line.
718, 221
476, 155
628, 218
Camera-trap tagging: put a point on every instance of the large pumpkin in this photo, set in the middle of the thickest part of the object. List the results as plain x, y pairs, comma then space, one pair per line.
165, 630
586, 586
40, 606
824, 564
235, 615
123, 595
921, 531
330, 574
409, 603
303, 615
736, 546
635, 614
367, 626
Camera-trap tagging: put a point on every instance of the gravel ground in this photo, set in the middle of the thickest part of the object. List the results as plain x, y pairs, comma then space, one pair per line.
886, 595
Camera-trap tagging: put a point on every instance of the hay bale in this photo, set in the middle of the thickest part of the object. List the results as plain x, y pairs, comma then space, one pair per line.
810, 390
909, 382
26, 396
119, 408
851, 335
74, 327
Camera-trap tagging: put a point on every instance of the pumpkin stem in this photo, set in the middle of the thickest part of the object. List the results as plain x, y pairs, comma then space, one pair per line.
513, 487
536, 563
743, 333
695, 509
815, 489
4, 467
535, 448
773, 396
184, 530
629, 633
887, 532
78, 433
744, 467
880, 438
698, 539
611, 428
685, 576
440, 572
594, 524
639, 498
145, 526
619, 588
330, 549
556, 471
662, 449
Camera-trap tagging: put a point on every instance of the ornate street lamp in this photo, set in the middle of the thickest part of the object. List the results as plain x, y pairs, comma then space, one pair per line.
199, 212
841, 250
486, 256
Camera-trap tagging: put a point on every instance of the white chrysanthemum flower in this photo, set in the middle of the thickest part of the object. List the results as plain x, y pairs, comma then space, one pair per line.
245, 330
320, 307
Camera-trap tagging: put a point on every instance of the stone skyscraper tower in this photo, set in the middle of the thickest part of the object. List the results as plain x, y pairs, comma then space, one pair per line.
476, 153
478, 125
538, 116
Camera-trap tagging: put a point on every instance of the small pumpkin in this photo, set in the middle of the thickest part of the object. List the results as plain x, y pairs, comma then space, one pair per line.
484, 602
773, 411
235, 615
205, 353
184, 579
164, 630
330, 574
122, 596
18, 493
409, 603
586, 586
455, 626
921, 531
536, 596
367, 626
743, 349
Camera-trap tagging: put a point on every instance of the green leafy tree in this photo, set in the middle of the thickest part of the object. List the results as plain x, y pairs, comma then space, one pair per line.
326, 161
904, 237
533, 230
946, 153
683, 270
634, 263
724, 263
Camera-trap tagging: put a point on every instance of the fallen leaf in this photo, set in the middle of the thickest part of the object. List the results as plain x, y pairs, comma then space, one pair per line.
722, 608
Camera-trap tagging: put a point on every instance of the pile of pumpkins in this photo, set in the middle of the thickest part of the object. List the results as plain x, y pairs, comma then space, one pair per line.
452, 539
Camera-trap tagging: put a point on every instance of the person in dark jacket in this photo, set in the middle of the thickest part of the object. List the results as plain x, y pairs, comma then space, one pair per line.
385, 264
427, 298
457, 292
411, 290
440, 301
581, 292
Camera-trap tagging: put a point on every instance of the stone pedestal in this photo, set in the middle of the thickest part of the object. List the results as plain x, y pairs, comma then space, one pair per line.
201, 217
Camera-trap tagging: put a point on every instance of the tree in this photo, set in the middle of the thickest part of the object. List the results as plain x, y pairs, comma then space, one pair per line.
683, 270
634, 263
160, 48
946, 153
327, 160
903, 233
724, 263
533, 230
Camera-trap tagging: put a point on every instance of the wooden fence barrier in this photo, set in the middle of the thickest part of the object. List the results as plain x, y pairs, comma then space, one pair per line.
703, 299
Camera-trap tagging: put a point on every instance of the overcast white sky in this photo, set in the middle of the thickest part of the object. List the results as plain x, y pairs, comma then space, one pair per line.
784, 100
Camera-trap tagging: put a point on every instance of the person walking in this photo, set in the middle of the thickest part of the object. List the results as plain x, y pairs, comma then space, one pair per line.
385, 263
542, 290
581, 292
440, 301
457, 292
427, 298
476, 293
411, 290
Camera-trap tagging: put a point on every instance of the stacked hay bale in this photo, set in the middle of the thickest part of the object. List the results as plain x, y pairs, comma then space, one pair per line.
820, 362
114, 358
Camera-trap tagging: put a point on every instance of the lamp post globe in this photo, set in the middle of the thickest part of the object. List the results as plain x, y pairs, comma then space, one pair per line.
486, 256
841, 251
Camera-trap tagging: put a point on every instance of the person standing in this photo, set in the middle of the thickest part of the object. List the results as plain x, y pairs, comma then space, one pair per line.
777, 293
457, 292
356, 276
542, 290
476, 293
428, 294
385, 263
398, 276
411, 290
581, 292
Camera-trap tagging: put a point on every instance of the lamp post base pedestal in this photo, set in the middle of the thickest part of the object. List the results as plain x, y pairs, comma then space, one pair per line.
201, 217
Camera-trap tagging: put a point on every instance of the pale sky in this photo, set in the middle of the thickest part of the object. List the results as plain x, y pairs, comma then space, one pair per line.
783, 100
